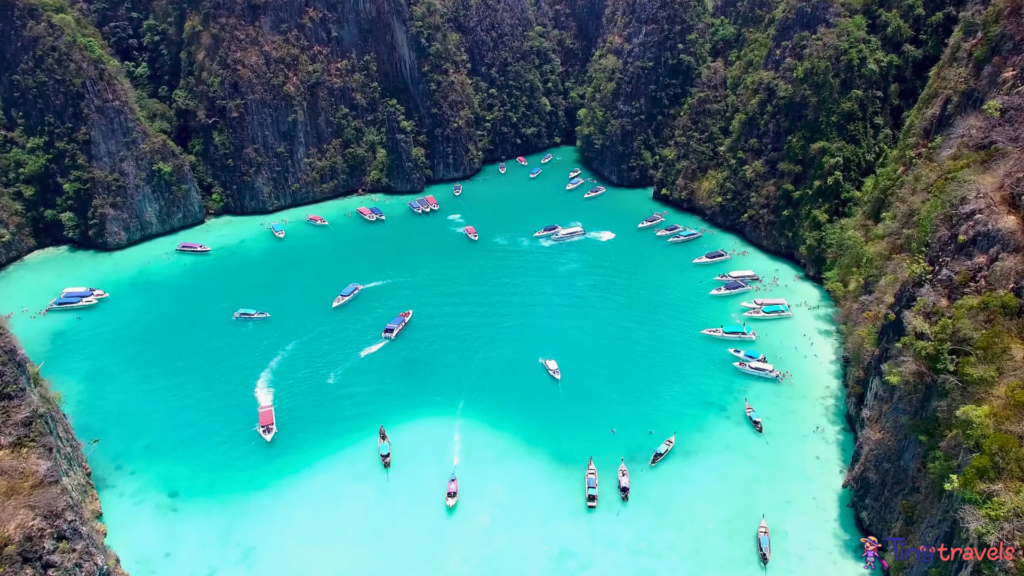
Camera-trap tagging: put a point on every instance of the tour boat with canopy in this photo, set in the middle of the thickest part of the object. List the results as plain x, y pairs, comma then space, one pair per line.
685, 236
547, 158
384, 447
451, 496
663, 450
433, 203
595, 192
277, 230
764, 542
471, 232
366, 214
591, 484
651, 221
521, 160
268, 424
712, 257
67, 303
347, 294
668, 230
424, 205
744, 275
624, 481
748, 355
396, 325
552, 367
501, 167
457, 189
569, 233
547, 231
755, 420
415, 207
769, 312
316, 220
575, 172
535, 172
731, 288
574, 184
759, 369
83, 292
250, 314
762, 302
192, 247
731, 333
377, 213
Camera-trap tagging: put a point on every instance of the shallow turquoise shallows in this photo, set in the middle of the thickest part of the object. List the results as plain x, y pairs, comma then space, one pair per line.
166, 380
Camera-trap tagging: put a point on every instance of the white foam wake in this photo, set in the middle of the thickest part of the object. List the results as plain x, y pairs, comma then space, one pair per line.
264, 390
457, 218
371, 349
603, 236
372, 284
458, 438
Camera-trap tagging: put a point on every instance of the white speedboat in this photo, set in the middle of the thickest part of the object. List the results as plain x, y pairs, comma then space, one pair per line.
731, 288
547, 158
396, 325
575, 172
651, 221
748, 355
669, 230
759, 369
192, 247
731, 333
744, 275
535, 172
277, 230
712, 257
595, 192
769, 312
685, 236
63, 303
569, 233
574, 184
347, 294
762, 302
366, 214
250, 314
552, 367
547, 231
83, 292
268, 424
457, 190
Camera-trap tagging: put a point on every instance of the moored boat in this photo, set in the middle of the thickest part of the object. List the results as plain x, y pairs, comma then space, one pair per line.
547, 231
651, 221
267, 423
591, 484
575, 172
735, 287
347, 294
501, 167
433, 203
521, 160
712, 257
744, 275
569, 233
250, 314
384, 447
748, 355
764, 542
471, 232
595, 192
731, 333
316, 220
451, 496
366, 214
83, 292
624, 481
762, 302
377, 213
574, 184
396, 325
457, 189
769, 312
759, 369
552, 367
685, 236
535, 172
663, 450
415, 207
424, 205
192, 247
68, 303
547, 158
752, 416
277, 230
668, 230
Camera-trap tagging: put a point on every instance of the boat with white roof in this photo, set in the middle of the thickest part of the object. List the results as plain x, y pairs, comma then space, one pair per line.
770, 312
731, 332
250, 314
712, 257
730, 288
762, 302
744, 275
759, 369
552, 367
83, 292
569, 233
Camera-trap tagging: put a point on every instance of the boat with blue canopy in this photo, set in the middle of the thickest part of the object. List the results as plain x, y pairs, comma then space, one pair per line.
377, 212
415, 207
347, 294
569, 233
731, 333
535, 172
575, 172
730, 288
67, 303
277, 230
83, 292
748, 355
685, 236
752, 416
396, 325
547, 158
574, 184
712, 257
668, 230
770, 312
424, 204
591, 484
250, 314
384, 447
457, 190
547, 231
595, 192
651, 221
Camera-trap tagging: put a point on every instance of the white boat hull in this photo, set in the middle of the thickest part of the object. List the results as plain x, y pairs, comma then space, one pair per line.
766, 316
435, 206
680, 240
86, 302
473, 237
764, 302
664, 232
270, 436
368, 217
646, 224
720, 292
589, 195
315, 223
769, 375
279, 234
542, 233
95, 293
723, 336
193, 250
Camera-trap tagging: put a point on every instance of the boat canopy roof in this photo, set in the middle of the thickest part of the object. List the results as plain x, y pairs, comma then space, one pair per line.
762, 366
662, 449
778, 308
551, 364
431, 199
548, 156
246, 311
591, 482
276, 227
715, 254
363, 210
350, 289
376, 210
654, 218
735, 329
413, 203
734, 285
66, 300
396, 322
535, 171
753, 415
688, 232
385, 448
752, 353
576, 181
470, 230
459, 186
741, 273
452, 478
266, 415
190, 245
551, 227
422, 201
315, 217
79, 294
673, 227
597, 189
770, 301
520, 158
762, 541
571, 230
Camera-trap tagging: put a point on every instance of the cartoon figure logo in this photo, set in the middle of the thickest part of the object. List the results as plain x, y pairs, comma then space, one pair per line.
870, 554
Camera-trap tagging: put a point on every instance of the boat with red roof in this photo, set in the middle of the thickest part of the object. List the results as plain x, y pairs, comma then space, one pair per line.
433, 203
396, 325
268, 424
521, 160
316, 220
365, 213
471, 232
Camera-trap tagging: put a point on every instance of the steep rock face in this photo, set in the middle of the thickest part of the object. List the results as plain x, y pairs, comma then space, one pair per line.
79, 160
50, 514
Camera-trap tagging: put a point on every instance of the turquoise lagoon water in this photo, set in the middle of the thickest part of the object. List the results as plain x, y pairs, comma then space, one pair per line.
165, 379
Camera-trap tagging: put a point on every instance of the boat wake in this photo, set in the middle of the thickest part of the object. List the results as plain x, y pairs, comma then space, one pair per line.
603, 236
371, 349
457, 218
458, 439
502, 239
372, 284
264, 390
